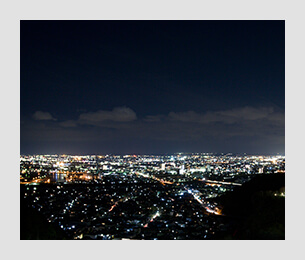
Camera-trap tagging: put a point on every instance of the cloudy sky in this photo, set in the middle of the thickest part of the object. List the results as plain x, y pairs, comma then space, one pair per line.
157, 87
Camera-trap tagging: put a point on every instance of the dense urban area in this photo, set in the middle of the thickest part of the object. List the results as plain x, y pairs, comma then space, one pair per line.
180, 196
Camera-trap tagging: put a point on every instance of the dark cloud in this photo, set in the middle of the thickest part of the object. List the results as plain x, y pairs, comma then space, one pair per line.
39, 115
227, 116
156, 118
245, 113
68, 123
118, 114
256, 127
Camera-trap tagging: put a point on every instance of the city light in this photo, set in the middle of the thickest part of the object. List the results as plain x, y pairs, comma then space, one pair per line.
139, 197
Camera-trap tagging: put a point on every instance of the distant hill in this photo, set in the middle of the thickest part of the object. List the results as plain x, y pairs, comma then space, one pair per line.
255, 210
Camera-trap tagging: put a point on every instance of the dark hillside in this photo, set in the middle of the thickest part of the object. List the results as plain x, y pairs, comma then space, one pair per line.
256, 210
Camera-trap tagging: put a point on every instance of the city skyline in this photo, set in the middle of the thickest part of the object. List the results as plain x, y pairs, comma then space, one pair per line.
152, 87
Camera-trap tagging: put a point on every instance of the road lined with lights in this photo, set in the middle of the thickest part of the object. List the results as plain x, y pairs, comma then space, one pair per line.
204, 204
223, 182
157, 214
163, 182
117, 202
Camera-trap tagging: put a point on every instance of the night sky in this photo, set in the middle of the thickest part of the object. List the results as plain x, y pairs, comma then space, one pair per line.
153, 87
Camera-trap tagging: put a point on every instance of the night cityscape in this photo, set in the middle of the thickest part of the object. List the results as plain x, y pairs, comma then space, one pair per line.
152, 130
148, 197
